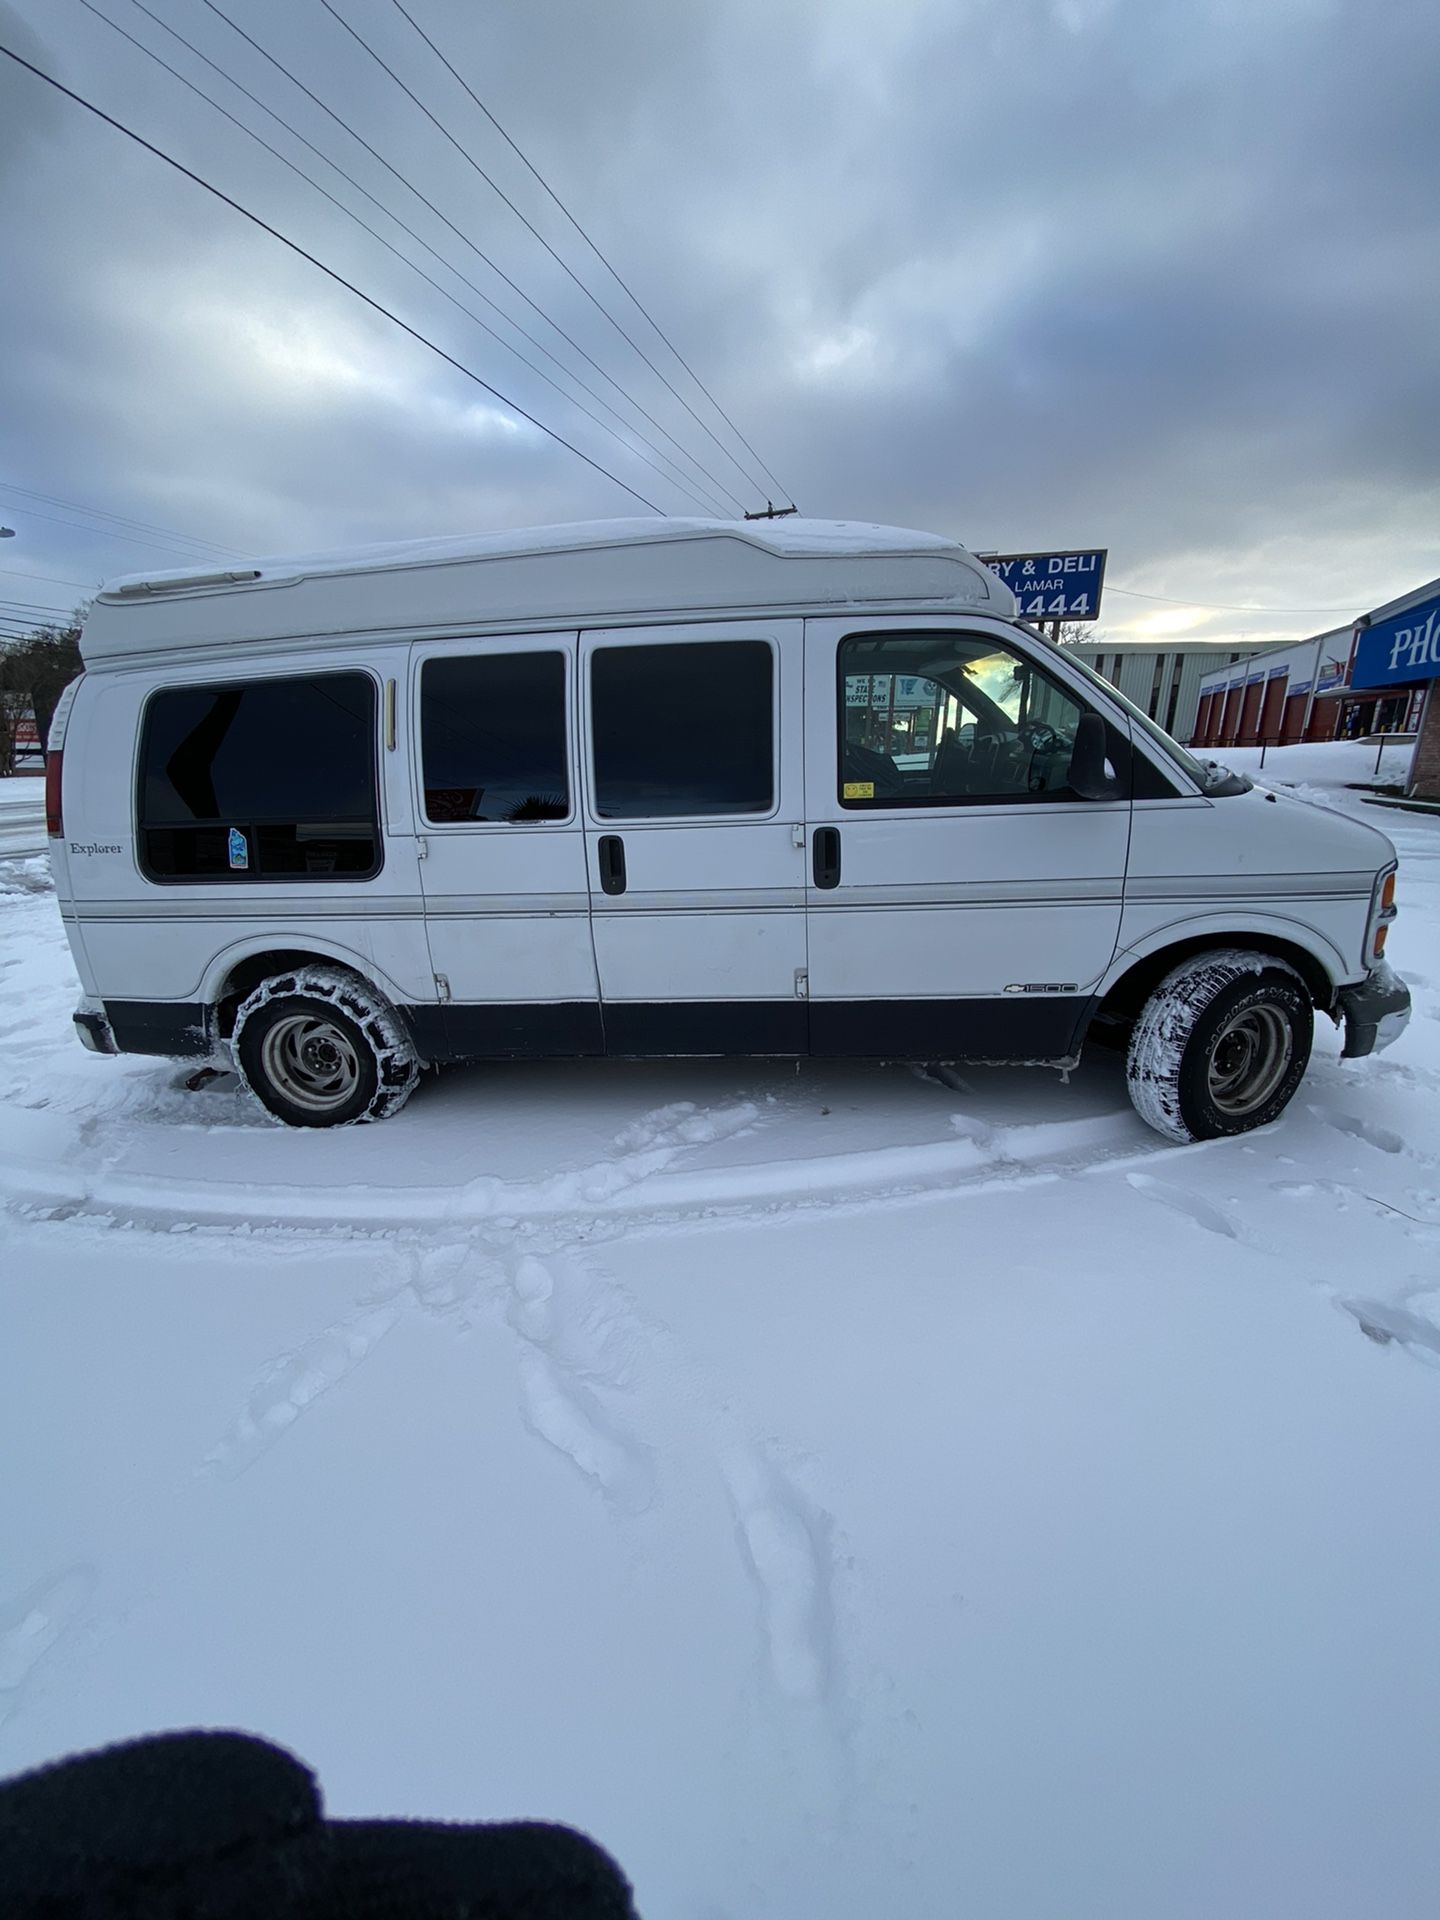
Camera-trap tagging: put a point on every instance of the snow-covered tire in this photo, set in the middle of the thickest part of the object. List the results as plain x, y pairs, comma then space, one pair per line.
319, 1047
1220, 1045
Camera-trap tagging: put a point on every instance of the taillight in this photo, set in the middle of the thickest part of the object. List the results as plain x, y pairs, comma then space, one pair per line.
54, 818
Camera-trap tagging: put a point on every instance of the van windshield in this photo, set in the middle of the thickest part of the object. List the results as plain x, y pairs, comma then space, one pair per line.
1212, 779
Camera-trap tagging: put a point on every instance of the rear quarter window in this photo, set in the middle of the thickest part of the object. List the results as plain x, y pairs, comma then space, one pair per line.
260, 780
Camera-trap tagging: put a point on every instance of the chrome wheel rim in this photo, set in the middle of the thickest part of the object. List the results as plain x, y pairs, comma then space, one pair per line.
1249, 1058
311, 1061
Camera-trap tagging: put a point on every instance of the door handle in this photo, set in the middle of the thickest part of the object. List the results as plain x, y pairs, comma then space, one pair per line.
827, 856
612, 863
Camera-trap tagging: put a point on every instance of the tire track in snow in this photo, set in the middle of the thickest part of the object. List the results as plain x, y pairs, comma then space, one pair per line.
33, 1624
646, 1147
1386, 1322
617, 1195
1184, 1200
294, 1382
584, 1347
1382, 1139
573, 1421
569, 1377
558, 1376
787, 1546
1392, 1322
578, 1333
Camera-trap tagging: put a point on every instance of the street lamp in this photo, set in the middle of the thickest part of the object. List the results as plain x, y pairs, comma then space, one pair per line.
7, 533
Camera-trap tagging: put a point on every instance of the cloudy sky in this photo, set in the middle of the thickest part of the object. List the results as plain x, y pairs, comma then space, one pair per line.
1159, 275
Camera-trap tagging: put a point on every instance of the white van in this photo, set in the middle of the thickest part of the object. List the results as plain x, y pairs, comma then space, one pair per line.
670, 787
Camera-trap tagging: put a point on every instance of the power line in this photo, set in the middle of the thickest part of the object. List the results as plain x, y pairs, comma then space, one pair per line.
19, 573
530, 226
329, 272
13, 629
605, 262
99, 513
672, 474
125, 539
1218, 606
375, 154
29, 606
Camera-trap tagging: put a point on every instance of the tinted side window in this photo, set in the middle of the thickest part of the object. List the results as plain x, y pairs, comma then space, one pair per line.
492, 737
683, 729
950, 719
260, 780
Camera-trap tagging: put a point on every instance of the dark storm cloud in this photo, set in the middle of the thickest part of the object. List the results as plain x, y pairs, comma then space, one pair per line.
1156, 275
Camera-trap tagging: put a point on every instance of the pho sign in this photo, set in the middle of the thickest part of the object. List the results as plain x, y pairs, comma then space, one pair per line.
1053, 586
1401, 650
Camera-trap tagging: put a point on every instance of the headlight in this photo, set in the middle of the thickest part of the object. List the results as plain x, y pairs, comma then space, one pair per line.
1382, 912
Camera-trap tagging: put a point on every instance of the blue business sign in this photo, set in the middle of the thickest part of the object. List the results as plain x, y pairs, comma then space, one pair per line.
1401, 650
1053, 586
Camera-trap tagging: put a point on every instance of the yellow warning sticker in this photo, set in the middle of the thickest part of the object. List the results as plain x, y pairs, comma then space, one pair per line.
859, 790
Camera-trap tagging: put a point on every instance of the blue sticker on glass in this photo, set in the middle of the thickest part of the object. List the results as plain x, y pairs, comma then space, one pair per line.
239, 849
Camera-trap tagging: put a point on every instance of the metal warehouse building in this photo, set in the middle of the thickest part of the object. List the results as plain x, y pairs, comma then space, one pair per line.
1162, 678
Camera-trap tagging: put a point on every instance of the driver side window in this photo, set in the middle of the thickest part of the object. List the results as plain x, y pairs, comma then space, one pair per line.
949, 719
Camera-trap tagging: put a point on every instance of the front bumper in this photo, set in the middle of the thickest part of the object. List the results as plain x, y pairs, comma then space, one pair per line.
1376, 1013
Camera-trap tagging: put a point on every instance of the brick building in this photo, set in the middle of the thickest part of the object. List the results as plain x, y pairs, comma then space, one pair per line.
1275, 698
1397, 657
1374, 676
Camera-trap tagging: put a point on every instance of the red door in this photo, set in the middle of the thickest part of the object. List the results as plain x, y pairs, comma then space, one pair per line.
1324, 717
1271, 705
1250, 715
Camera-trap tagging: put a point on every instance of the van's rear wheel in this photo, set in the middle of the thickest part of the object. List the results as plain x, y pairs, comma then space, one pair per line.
320, 1048
1220, 1046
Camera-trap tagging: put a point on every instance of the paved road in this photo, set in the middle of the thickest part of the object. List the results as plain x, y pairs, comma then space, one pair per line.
22, 829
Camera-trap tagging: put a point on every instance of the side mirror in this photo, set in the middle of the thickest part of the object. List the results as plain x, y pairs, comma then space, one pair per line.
1089, 776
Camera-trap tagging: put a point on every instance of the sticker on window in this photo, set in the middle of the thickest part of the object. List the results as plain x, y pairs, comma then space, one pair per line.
239, 850
859, 790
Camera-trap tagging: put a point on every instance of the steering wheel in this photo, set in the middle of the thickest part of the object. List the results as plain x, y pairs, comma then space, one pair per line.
1040, 740
1039, 737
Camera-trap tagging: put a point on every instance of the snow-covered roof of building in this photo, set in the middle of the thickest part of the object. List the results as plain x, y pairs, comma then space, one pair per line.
590, 573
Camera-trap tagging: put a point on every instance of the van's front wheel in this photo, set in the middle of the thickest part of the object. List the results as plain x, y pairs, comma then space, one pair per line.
319, 1048
1220, 1046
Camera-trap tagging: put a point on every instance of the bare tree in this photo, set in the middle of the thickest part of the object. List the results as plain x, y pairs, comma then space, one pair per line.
34, 671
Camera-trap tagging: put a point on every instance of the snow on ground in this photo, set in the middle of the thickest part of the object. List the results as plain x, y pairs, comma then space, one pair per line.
842, 1491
